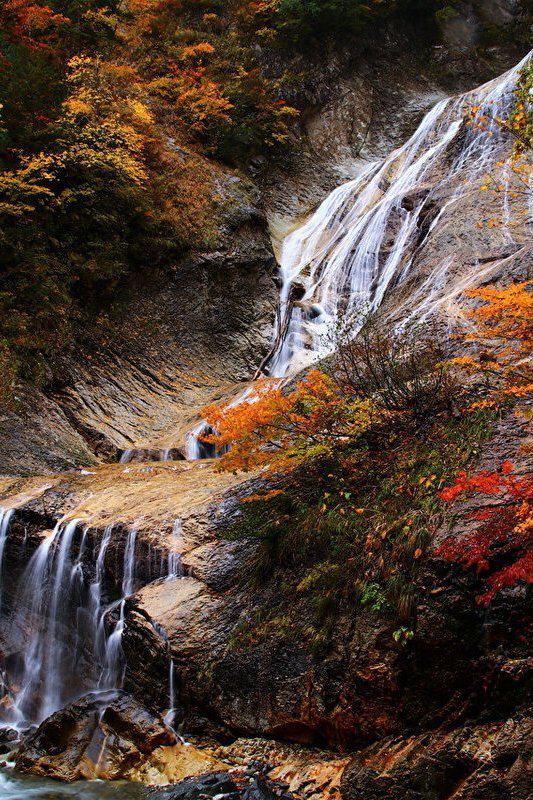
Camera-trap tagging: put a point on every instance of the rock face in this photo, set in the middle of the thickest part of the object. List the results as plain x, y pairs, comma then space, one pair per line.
484, 762
182, 339
100, 736
464, 663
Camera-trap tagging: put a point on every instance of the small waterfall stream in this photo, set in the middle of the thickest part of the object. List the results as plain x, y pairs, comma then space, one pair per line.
6, 516
175, 566
113, 667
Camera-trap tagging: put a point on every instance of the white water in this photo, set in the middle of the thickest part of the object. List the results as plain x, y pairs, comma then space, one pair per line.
14, 786
361, 240
61, 622
175, 566
38, 601
193, 448
139, 454
171, 713
6, 515
113, 669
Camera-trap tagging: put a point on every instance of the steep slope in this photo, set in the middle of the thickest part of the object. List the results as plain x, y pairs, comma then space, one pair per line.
368, 686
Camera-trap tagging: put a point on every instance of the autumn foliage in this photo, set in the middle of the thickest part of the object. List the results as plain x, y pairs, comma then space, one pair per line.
501, 546
511, 178
282, 430
500, 331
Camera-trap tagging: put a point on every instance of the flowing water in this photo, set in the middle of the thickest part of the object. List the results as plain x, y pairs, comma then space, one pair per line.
362, 239
66, 628
175, 565
23, 787
113, 668
6, 515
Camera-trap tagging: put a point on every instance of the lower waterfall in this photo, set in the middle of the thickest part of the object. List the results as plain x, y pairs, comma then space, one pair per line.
65, 625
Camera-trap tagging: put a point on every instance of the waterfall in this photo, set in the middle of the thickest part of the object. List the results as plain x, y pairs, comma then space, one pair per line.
60, 639
171, 713
175, 566
140, 454
361, 240
113, 669
6, 515
195, 448
41, 604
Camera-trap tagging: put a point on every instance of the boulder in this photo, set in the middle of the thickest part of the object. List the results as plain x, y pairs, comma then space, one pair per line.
252, 785
214, 784
103, 735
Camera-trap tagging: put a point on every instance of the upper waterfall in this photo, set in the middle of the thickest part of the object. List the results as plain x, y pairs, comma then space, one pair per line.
362, 239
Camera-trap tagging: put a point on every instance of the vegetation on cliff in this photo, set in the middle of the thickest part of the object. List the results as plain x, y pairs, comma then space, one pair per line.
368, 455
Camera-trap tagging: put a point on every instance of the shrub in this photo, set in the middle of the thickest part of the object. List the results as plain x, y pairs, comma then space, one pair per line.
404, 372
501, 547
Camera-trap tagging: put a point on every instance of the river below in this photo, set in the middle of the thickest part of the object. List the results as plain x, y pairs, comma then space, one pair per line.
14, 786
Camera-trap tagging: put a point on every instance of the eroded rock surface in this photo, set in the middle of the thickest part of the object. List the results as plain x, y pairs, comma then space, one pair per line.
484, 762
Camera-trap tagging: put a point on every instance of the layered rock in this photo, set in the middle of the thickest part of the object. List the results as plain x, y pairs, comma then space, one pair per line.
485, 761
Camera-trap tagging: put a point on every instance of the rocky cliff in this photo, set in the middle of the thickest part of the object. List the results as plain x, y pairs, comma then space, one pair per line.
441, 716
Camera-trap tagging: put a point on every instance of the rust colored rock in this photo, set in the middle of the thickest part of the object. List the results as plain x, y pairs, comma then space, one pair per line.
481, 762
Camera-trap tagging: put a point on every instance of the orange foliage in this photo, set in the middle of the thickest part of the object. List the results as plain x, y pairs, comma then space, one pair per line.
281, 430
31, 23
504, 336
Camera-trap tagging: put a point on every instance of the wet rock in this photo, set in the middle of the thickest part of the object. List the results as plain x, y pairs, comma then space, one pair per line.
8, 739
8, 735
252, 785
216, 784
103, 735
477, 762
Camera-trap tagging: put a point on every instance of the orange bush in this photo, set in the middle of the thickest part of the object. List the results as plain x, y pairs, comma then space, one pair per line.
283, 429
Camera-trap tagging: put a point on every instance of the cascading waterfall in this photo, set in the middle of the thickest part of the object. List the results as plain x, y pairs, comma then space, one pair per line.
47, 656
141, 454
71, 648
362, 239
6, 515
359, 243
113, 669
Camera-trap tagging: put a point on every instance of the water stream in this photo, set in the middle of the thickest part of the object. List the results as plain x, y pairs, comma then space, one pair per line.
14, 786
362, 240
